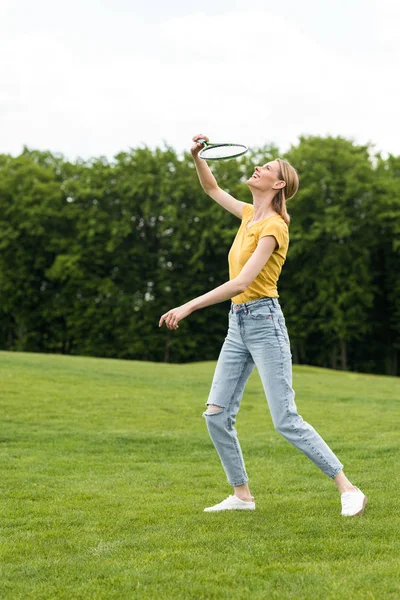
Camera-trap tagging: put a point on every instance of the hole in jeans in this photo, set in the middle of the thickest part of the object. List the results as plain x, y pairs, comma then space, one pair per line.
212, 409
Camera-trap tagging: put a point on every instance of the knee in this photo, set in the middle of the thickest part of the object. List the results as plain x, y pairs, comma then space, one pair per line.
288, 423
215, 417
282, 428
282, 423
213, 409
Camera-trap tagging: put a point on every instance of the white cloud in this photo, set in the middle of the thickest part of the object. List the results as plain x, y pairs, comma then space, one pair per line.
388, 24
247, 75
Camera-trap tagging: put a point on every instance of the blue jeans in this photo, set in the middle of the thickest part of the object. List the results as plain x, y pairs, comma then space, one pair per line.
257, 336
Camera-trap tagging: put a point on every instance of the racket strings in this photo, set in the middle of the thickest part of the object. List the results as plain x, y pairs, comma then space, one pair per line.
223, 151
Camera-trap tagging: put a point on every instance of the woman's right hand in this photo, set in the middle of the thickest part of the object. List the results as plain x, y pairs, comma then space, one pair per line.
195, 149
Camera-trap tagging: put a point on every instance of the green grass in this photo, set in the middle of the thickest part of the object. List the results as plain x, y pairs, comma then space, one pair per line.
106, 467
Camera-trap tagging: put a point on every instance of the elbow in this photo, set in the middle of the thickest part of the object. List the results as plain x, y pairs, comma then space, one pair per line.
210, 189
241, 286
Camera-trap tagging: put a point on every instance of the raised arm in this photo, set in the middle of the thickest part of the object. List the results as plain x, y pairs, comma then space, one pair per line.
209, 183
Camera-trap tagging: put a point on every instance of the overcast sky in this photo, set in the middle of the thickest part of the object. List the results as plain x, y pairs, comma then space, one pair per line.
94, 77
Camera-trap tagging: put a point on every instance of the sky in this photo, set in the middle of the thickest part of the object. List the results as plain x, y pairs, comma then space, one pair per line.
91, 78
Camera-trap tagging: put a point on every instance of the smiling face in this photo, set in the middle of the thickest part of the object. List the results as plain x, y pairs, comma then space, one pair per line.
267, 177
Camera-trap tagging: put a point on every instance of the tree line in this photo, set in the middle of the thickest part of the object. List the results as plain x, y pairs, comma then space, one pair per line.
93, 252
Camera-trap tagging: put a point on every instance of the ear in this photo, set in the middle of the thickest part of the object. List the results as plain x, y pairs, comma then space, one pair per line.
279, 185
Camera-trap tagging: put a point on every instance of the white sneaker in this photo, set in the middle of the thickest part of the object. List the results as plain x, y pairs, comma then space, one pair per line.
232, 503
353, 503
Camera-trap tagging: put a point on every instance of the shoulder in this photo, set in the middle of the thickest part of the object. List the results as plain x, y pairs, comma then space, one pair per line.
281, 223
277, 228
276, 222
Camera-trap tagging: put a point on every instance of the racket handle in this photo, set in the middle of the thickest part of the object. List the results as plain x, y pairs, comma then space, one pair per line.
202, 142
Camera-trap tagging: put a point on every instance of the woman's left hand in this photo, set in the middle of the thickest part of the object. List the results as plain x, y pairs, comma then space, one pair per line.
173, 316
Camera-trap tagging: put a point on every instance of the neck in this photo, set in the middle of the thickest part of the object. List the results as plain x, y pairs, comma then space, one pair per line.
262, 203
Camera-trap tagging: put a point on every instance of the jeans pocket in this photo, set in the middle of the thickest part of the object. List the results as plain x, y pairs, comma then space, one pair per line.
260, 312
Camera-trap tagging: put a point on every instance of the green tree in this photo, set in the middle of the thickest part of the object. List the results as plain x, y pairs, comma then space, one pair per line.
385, 234
93, 252
31, 230
329, 279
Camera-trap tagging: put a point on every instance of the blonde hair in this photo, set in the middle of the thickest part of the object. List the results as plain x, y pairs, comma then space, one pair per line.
289, 175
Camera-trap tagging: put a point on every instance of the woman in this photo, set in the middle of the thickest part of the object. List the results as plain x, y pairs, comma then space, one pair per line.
257, 334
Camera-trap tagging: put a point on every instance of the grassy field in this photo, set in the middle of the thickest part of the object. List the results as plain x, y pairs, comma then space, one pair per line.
106, 467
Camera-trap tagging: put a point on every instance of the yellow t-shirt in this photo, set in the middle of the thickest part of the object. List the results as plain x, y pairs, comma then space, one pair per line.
245, 243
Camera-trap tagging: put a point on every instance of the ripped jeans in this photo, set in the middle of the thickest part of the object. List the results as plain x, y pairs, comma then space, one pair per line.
257, 336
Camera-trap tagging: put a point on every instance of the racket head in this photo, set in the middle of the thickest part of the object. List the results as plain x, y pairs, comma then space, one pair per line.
221, 151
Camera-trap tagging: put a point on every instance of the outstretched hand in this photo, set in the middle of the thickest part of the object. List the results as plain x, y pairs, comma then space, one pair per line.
173, 316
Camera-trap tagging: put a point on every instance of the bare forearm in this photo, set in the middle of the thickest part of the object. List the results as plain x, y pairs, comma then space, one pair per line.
206, 177
227, 290
223, 292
